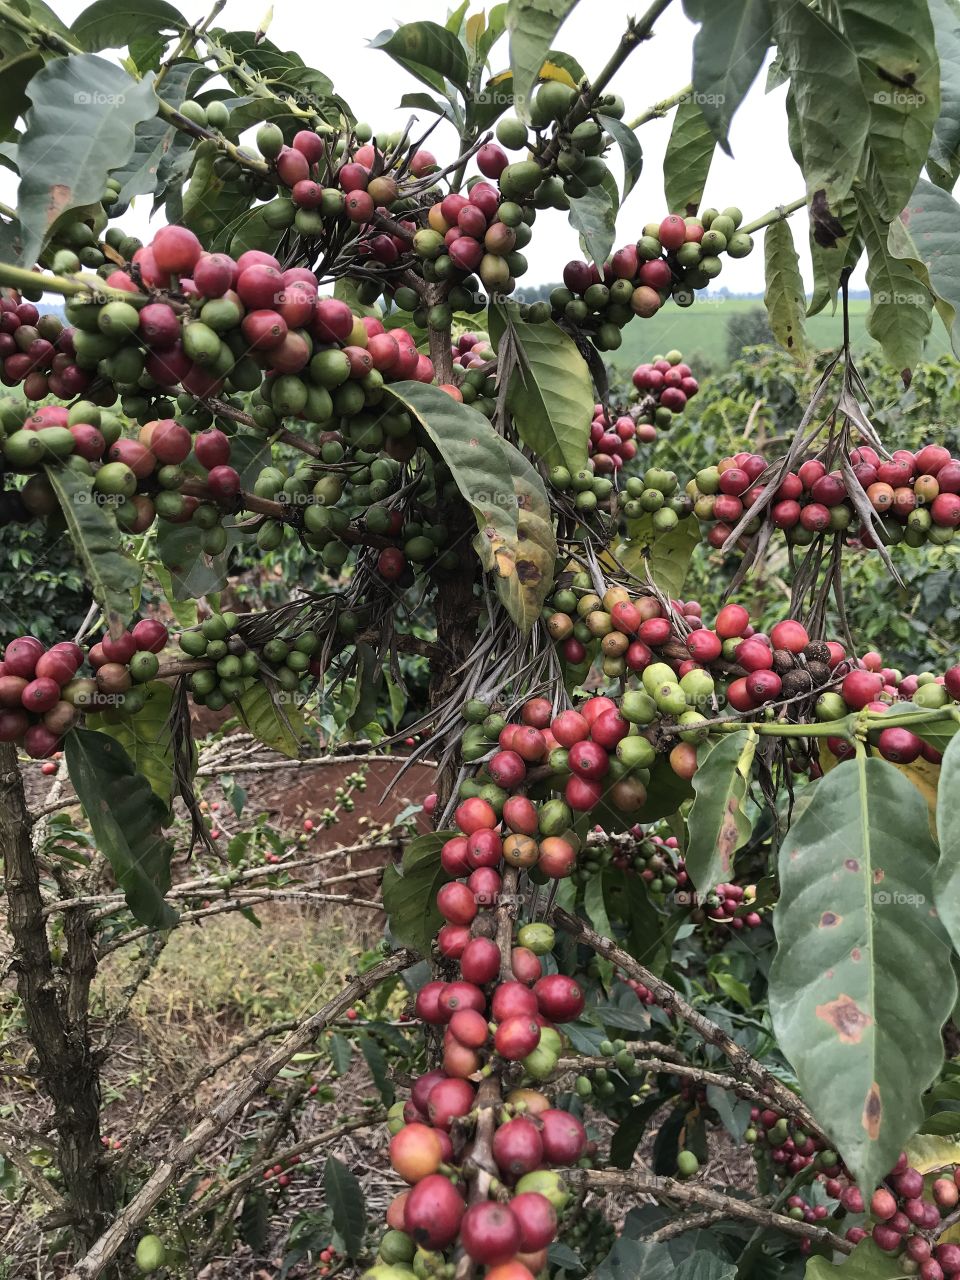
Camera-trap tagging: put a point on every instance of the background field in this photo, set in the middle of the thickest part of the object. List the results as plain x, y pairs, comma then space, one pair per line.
700, 332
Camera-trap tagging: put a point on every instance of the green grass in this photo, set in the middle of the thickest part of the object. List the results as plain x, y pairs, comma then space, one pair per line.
700, 332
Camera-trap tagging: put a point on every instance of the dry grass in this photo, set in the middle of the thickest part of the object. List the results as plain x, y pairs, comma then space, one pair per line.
218, 979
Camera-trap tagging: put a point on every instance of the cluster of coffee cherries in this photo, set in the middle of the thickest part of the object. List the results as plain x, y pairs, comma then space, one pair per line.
777, 1138
871, 686
902, 1213
916, 496
612, 441
139, 479
655, 494
672, 259
480, 232
232, 666
478, 386
664, 384
499, 1019
249, 316
43, 693
36, 350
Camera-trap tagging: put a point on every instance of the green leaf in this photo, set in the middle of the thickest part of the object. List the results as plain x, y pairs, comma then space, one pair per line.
145, 736
728, 52
524, 565
630, 1133
367, 684
344, 1197
532, 25
925, 236
423, 102
660, 558
156, 141
687, 160
80, 126
192, 572
594, 216
341, 1053
946, 882
379, 1070
279, 726
473, 451
210, 206
550, 395
833, 119
717, 824
943, 160
253, 231
936, 731
734, 989
185, 611
900, 82
862, 982
125, 816
596, 911
112, 575
842, 247
17, 74
785, 299
253, 1226
630, 150
867, 1262
107, 24
900, 306
429, 52
410, 892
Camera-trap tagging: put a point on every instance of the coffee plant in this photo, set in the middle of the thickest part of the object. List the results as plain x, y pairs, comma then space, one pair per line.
725, 828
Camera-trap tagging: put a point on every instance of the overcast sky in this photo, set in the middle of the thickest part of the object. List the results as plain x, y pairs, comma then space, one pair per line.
333, 37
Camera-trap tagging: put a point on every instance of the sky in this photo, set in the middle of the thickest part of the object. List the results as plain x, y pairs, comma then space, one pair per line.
760, 175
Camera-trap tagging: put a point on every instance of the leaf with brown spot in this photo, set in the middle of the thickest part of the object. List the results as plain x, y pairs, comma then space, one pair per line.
857, 1008
846, 1017
717, 824
785, 297
79, 127
872, 1112
525, 564
477, 458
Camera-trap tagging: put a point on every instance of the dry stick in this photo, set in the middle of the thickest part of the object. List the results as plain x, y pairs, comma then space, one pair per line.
258, 1170
32, 1175
208, 884
740, 1060
701, 1197
661, 1066
188, 1088
102, 1253
251, 899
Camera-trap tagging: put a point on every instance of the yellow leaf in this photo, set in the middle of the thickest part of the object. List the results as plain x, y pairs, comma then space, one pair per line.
550, 71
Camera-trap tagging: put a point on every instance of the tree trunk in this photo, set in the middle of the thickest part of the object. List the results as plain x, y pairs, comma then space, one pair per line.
55, 1007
